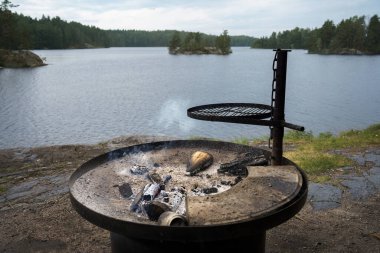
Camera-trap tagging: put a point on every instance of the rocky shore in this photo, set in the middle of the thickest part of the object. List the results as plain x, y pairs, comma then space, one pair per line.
37, 216
204, 50
19, 59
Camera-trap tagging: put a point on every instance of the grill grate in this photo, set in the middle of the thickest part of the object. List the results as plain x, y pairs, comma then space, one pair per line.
229, 111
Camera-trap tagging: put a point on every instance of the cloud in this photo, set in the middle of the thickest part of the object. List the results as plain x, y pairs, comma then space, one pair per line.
249, 17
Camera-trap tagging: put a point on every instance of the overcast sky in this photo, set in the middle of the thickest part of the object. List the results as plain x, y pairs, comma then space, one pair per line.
240, 17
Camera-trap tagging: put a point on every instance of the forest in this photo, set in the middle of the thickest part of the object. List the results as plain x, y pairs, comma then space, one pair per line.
23, 32
351, 36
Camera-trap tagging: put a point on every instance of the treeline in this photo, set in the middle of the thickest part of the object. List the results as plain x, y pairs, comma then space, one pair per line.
51, 33
350, 36
23, 32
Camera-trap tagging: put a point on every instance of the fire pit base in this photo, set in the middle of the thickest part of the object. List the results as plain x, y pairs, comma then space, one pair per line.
120, 243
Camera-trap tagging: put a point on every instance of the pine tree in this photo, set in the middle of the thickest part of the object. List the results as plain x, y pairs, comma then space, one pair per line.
7, 25
175, 42
223, 42
373, 35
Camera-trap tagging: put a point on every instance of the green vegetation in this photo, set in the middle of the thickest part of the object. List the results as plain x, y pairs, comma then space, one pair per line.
23, 32
195, 43
350, 36
241, 140
315, 154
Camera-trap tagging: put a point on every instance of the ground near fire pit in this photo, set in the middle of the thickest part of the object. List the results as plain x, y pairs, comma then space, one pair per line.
37, 216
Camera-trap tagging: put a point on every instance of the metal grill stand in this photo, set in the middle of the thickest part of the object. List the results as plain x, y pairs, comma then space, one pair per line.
255, 114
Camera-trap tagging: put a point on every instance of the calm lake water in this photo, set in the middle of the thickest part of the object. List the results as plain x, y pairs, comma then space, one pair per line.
91, 95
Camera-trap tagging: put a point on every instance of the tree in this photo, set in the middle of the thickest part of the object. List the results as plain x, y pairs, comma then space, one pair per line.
7, 25
6, 5
192, 42
373, 35
223, 43
175, 42
350, 34
327, 33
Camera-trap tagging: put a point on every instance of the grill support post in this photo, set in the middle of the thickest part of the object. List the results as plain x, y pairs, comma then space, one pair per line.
279, 107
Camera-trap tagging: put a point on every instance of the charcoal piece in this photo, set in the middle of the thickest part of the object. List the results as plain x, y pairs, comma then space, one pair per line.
151, 192
225, 182
237, 170
135, 204
164, 194
260, 161
176, 198
125, 190
210, 190
237, 167
154, 209
139, 170
238, 179
155, 178
167, 179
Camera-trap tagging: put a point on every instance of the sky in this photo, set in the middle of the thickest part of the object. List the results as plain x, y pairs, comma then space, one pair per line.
256, 18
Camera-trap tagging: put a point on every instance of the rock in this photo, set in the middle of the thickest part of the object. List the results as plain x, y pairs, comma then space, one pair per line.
19, 59
199, 161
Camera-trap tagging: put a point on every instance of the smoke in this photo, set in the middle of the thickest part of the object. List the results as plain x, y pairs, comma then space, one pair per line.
173, 115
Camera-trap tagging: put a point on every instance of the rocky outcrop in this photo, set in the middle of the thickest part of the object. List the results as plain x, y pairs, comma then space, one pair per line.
341, 51
19, 59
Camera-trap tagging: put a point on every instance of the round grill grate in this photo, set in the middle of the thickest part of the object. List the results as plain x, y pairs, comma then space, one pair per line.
230, 111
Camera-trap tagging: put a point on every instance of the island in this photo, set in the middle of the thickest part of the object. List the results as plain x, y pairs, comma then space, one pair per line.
194, 43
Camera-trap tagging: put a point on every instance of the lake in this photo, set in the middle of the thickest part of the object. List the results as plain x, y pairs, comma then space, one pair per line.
92, 95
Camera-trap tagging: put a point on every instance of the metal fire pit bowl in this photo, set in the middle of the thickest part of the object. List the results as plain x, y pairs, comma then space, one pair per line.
236, 218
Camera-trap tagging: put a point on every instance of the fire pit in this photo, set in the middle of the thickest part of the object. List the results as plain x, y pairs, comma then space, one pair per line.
237, 216
187, 195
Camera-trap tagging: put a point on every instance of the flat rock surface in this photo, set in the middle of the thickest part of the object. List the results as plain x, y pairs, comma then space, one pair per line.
37, 216
19, 59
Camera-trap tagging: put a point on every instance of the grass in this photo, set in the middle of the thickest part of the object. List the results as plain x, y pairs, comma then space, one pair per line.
315, 154
241, 140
